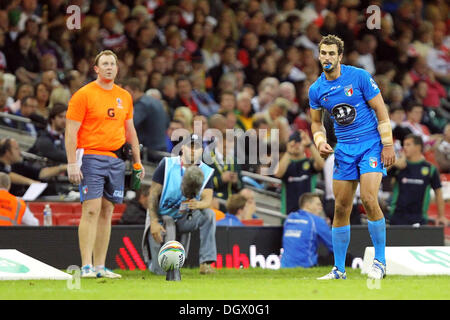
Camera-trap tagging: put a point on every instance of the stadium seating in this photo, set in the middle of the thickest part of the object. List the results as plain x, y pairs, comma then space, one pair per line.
68, 213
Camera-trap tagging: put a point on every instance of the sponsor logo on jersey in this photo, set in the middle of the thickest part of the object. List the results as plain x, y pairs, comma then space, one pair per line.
344, 114
118, 193
298, 179
306, 166
412, 181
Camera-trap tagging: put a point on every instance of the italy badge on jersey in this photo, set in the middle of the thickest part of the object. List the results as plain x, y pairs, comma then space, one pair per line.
119, 103
373, 162
348, 90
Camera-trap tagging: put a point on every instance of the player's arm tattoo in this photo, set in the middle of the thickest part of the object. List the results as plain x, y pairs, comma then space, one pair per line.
153, 202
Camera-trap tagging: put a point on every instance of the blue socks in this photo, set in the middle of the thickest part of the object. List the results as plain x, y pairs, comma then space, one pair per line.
377, 230
340, 240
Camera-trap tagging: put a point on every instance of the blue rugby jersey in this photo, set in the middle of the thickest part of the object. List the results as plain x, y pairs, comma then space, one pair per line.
346, 100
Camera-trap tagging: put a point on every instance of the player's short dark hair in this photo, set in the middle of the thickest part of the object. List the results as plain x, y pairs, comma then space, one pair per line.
417, 140
306, 198
332, 39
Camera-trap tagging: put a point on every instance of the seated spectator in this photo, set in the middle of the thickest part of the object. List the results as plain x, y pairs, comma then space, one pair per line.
59, 95
150, 119
228, 63
43, 98
413, 177
235, 211
174, 125
399, 132
435, 90
136, 211
185, 115
13, 211
302, 231
244, 111
298, 172
21, 173
227, 101
207, 106
50, 142
275, 115
184, 95
250, 208
27, 110
266, 94
21, 59
287, 91
414, 113
227, 172
442, 151
23, 90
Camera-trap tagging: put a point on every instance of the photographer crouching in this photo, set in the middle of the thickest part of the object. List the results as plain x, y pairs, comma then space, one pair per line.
182, 188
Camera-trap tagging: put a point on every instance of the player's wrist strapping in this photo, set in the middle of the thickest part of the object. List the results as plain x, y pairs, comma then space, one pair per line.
385, 130
319, 137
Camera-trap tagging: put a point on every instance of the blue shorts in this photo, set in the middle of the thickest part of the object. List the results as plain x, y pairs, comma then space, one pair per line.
356, 158
103, 176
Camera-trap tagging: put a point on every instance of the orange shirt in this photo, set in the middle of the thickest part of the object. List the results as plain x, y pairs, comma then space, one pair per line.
102, 114
12, 209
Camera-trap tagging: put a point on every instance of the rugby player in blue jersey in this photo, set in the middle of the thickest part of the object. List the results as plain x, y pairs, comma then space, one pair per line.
363, 151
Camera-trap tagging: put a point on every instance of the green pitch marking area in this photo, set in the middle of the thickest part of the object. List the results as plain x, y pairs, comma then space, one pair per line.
234, 284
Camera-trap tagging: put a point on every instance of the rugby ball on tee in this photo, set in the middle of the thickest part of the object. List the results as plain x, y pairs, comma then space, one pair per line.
171, 256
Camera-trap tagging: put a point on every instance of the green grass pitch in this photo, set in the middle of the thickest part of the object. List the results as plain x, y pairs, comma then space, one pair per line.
234, 284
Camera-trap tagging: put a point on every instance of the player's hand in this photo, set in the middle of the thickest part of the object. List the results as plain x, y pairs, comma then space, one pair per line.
142, 174
388, 156
325, 150
193, 204
156, 229
74, 173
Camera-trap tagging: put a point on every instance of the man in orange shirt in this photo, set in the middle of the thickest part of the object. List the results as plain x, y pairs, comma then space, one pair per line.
13, 211
99, 122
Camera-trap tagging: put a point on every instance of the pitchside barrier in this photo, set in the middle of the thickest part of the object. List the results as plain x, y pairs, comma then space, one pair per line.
412, 261
236, 246
15, 265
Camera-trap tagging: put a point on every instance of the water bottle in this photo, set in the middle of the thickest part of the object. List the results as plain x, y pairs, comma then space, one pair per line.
136, 177
47, 215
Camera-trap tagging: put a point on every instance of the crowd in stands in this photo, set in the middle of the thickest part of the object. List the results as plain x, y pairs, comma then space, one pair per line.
228, 64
